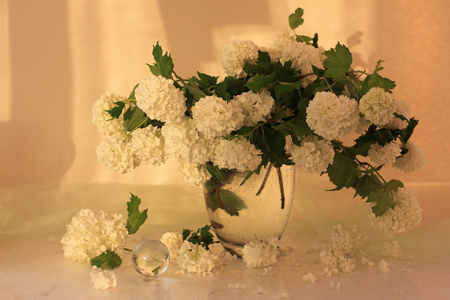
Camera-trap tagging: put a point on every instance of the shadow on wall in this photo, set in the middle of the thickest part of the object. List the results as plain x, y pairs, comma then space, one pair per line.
204, 16
36, 143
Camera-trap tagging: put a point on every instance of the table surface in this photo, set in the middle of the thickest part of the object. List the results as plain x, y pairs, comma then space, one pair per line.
32, 265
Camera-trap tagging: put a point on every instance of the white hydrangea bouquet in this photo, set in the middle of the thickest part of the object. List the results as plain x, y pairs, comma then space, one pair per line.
293, 90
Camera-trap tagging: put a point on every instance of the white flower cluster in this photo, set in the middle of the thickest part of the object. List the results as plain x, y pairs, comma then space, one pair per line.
148, 143
236, 54
386, 154
117, 154
194, 258
415, 159
261, 254
332, 116
313, 155
282, 40
255, 106
214, 117
335, 261
237, 153
304, 57
103, 121
160, 99
189, 257
194, 173
378, 106
401, 108
405, 215
173, 241
91, 234
103, 279
347, 239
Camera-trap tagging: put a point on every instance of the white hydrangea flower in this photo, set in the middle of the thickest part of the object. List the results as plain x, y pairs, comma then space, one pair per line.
149, 145
332, 117
91, 234
309, 277
281, 40
414, 160
347, 239
215, 117
237, 153
103, 279
184, 142
366, 262
405, 215
401, 108
256, 107
386, 154
377, 106
313, 155
118, 155
160, 99
383, 266
173, 242
194, 173
195, 259
303, 57
336, 260
103, 121
261, 254
236, 54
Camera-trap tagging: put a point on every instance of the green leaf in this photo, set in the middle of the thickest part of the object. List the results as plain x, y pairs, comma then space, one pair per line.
132, 95
260, 81
296, 18
202, 236
163, 63
231, 203
375, 80
206, 82
111, 258
395, 184
367, 183
343, 169
134, 118
230, 87
215, 172
116, 111
285, 92
135, 217
382, 199
338, 61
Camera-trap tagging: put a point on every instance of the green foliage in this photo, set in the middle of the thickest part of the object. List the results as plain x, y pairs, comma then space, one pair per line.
229, 202
135, 217
338, 61
375, 80
202, 236
163, 63
296, 18
111, 259
116, 111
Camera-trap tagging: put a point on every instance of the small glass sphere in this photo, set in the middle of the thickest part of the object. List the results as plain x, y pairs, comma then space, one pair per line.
151, 258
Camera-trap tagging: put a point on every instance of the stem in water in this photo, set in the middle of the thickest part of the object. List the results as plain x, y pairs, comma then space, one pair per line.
263, 184
280, 180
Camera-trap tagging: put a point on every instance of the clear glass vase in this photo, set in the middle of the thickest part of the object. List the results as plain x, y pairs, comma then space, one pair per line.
256, 210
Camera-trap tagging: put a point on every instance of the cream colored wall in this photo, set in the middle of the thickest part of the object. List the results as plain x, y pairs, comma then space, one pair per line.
58, 56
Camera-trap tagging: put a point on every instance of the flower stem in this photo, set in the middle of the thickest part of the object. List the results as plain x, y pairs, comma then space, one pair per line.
280, 180
263, 184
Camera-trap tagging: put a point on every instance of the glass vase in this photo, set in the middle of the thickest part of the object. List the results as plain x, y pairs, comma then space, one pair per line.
256, 210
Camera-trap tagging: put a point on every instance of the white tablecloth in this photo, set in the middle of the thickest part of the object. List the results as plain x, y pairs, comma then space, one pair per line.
32, 265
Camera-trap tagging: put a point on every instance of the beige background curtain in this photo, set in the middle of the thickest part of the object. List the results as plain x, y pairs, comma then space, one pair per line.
57, 57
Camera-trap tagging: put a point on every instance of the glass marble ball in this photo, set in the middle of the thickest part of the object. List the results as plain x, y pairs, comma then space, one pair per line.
151, 258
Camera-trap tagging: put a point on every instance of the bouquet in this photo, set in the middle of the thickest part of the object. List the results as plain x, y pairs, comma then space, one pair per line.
291, 102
